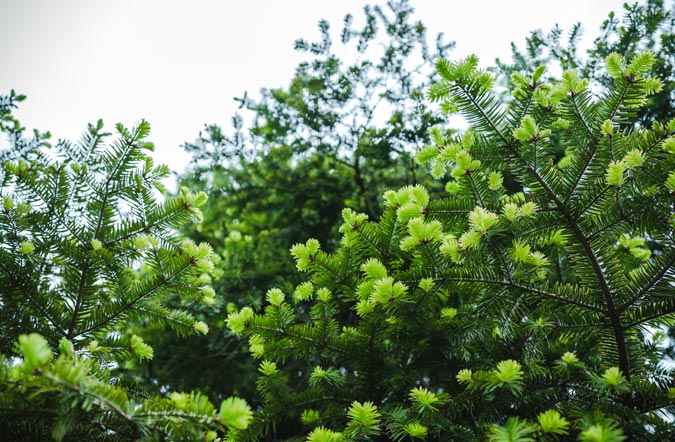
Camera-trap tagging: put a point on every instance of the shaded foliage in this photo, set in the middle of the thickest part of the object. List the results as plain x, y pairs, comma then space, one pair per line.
345, 129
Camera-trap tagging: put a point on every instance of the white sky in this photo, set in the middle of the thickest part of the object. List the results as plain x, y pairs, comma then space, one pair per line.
178, 64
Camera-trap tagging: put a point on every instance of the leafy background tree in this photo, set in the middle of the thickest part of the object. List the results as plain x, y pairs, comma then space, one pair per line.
345, 130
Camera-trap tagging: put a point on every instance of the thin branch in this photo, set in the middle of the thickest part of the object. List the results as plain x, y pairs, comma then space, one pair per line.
643, 291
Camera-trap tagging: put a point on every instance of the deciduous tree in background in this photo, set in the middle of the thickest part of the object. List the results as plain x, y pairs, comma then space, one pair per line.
345, 130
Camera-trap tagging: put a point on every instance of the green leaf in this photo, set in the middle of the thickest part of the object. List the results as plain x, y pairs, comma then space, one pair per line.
572, 83
669, 145
481, 219
508, 373
607, 128
275, 296
35, 351
634, 158
613, 380
538, 72
426, 154
140, 348
321, 434
552, 422
670, 181
641, 63
415, 430
374, 269
240, 321
364, 418
235, 413
464, 376
309, 416
615, 65
615, 173
528, 130
425, 399
201, 327
27, 247
514, 431
65, 346
303, 292
602, 433
496, 180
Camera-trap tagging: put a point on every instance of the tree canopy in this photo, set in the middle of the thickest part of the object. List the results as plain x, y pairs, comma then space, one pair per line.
360, 269
343, 131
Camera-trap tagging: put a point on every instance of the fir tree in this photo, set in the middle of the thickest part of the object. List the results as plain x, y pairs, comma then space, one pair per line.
492, 313
647, 25
87, 247
345, 129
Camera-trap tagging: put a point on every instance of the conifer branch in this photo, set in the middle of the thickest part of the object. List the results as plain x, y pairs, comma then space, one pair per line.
618, 220
575, 105
580, 175
619, 100
99, 399
649, 318
325, 344
590, 255
84, 269
476, 105
161, 283
656, 278
595, 200
510, 284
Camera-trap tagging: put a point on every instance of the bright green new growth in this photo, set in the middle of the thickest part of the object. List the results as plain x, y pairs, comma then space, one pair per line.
509, 374
513, 309
552, 422
235, 413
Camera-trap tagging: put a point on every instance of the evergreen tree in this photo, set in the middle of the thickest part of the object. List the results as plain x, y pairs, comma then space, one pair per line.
496, 314
87, 247
345, 129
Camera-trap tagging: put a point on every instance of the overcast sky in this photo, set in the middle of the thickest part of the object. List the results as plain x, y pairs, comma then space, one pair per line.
178, 64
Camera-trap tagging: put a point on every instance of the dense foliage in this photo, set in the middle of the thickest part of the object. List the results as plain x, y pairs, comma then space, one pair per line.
345, 130
648, 25
492, 313
86, 248
517, 286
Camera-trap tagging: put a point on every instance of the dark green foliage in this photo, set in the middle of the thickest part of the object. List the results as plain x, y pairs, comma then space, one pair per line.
492, 313
345, 130
86, 248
